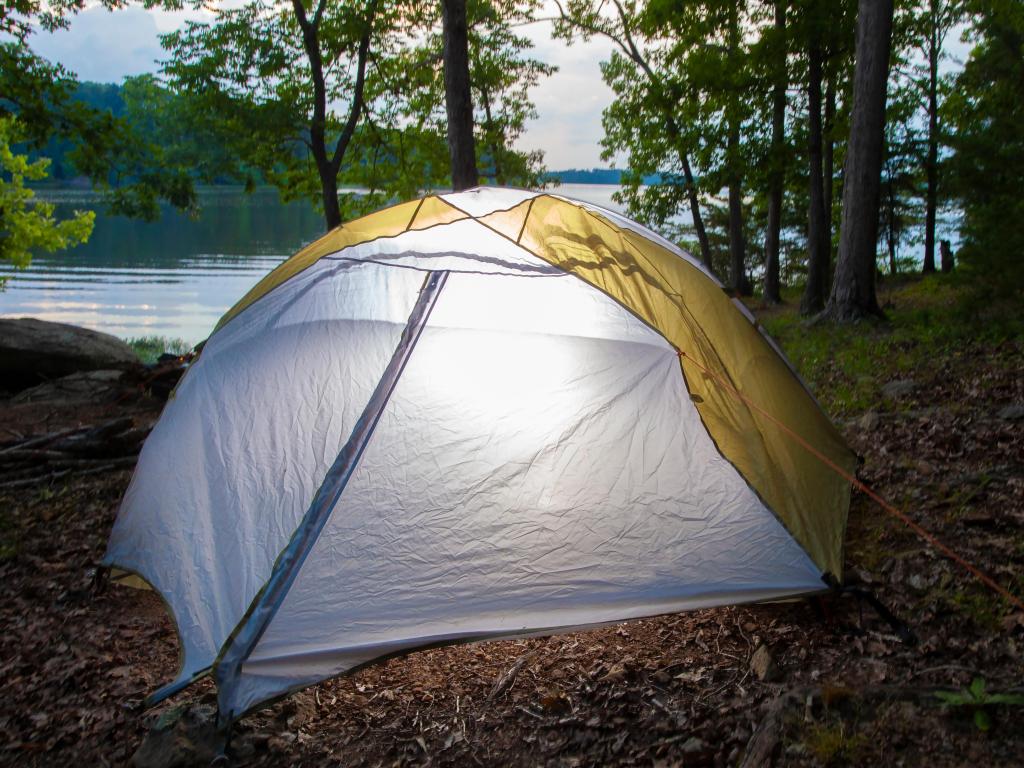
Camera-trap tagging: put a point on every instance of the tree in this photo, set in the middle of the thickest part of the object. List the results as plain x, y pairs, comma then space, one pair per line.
501, 74
853, 290
825, 27
288, 84
458, 99
38, 108
28, 225
644, 119
818, 231
779, 75
734, 114
986, 113
933, 23
124, 165
901, 192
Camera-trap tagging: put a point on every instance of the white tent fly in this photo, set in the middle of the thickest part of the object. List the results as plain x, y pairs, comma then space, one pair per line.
471, 416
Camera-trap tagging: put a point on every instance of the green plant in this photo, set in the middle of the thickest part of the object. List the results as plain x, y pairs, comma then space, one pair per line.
149, 348
977, 700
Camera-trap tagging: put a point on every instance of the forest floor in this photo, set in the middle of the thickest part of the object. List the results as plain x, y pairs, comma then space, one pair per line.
933, 405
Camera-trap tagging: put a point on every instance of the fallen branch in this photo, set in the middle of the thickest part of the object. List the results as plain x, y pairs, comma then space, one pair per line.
764, 741
91, 469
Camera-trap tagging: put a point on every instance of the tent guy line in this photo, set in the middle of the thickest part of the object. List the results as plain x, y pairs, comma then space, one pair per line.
864, 488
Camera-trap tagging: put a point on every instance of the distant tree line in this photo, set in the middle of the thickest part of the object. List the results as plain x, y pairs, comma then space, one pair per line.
595, 176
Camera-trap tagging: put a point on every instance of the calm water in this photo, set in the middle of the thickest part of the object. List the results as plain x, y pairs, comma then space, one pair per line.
177, 276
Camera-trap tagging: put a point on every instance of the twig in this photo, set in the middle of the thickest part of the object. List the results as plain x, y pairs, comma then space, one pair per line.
506, 680
128, 461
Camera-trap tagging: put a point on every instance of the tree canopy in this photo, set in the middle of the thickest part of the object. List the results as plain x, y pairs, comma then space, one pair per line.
737, 120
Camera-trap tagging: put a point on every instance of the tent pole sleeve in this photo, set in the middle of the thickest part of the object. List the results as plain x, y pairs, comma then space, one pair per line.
250, 629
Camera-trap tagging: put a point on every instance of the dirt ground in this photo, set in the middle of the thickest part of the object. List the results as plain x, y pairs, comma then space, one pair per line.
839, 688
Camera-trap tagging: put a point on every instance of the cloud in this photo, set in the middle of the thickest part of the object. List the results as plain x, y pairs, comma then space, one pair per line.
107, 46
104, 46
570, 102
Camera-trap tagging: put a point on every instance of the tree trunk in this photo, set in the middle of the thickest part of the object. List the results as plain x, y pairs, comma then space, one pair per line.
328, 165
737, 238
458, 98
853, 290
828, 146
329, 194
698, 220
318, 124
776, 177
890, 224
932, 163
813, 300
492, 144
737, 243
947, 256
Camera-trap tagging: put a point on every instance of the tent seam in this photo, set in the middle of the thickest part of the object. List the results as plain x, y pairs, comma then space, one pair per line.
320, 510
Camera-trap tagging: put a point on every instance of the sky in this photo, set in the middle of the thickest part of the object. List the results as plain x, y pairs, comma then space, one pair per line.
106, 46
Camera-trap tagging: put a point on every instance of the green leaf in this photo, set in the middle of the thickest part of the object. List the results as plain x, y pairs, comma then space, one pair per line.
977, 689
982, 720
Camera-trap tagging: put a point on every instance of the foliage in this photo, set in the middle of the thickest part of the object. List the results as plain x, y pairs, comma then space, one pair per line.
279, 107
249, 74
501, 76
976, 700
900, 212
18, 17
645, 121
130, 170
986, 114
27, 225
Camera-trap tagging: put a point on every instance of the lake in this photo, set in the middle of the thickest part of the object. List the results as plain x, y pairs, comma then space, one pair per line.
175, 277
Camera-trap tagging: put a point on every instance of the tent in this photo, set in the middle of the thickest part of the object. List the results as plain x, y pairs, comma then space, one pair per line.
474, 415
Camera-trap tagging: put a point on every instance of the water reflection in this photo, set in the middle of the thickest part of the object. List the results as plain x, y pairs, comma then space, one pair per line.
177, 276
174, 277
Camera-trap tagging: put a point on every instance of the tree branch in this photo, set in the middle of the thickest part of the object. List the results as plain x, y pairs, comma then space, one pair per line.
357, 96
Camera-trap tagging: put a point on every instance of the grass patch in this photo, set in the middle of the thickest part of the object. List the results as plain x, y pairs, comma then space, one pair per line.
830, 744
846, 365
149, 348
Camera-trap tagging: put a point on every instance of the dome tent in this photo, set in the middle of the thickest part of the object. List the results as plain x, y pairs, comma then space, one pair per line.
469, 416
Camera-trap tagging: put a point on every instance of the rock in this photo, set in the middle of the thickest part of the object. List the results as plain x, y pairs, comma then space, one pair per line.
692, 746
81, 387
869, 421
33, 351
924, 467
894, 390
763, 665
184, 737
1014, 412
